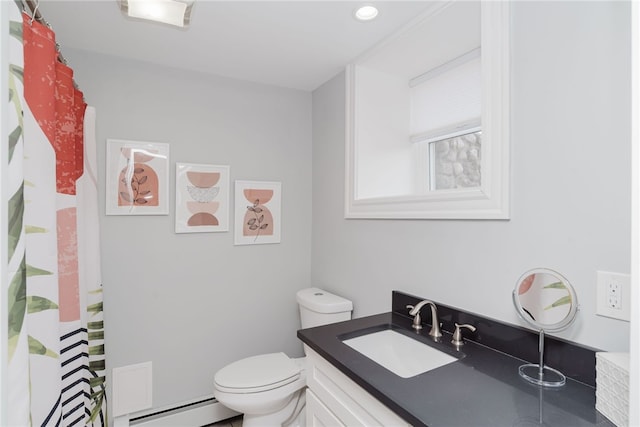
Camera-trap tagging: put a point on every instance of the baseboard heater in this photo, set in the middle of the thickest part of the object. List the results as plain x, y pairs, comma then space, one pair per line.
197, 413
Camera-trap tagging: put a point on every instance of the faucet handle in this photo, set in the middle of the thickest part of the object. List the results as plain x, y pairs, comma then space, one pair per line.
417, 321
457, 335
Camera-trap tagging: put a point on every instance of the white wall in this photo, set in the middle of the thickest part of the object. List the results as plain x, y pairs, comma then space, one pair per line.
634, 368
191, 303
571, 174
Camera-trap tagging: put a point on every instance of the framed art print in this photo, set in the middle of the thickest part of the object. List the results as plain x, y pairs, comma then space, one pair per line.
137, 178
257, 212
202, 198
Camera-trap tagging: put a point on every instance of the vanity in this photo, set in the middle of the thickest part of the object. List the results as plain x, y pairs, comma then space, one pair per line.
481, 387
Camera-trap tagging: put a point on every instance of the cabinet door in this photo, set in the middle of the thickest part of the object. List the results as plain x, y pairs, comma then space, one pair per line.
319, 415
349, 402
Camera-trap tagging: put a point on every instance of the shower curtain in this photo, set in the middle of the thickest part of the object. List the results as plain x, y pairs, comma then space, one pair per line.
56, 364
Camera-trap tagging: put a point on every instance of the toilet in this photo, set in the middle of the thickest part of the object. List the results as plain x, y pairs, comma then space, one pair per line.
269, 389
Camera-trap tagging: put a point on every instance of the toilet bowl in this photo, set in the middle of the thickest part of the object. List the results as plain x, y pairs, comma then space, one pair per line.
269, 389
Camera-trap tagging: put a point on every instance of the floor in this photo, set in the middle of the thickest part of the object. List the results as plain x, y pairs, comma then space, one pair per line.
231, 422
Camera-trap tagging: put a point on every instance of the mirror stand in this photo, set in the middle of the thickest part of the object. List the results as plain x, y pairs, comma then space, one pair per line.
538, 373
546, 301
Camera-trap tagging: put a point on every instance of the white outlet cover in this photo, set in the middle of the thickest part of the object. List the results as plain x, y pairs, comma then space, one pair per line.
603, 286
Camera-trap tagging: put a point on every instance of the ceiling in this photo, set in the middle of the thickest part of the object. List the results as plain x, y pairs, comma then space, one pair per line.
295, 44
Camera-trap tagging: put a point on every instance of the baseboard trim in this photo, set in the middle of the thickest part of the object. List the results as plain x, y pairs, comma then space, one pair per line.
197, 413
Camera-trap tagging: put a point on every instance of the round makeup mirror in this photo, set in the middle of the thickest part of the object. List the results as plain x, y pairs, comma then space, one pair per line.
546, 301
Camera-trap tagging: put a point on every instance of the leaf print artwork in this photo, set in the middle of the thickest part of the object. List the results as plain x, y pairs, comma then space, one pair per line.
257, 223
258, 212
138, 185
137, 178
258, 220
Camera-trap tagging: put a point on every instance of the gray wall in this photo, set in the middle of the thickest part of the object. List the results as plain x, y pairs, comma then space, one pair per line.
571, 187
191, 303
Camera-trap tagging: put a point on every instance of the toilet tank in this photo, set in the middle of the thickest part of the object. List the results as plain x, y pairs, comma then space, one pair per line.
319, 307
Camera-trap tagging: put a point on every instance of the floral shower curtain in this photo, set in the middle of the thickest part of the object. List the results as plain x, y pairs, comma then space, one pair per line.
56, 366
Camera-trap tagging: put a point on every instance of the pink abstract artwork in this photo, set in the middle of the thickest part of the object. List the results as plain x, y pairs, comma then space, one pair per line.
202, 198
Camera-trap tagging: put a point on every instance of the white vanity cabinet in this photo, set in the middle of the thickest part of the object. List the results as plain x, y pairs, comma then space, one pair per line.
335, 400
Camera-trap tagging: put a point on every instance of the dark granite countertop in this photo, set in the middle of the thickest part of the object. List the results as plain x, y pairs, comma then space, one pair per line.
482, 389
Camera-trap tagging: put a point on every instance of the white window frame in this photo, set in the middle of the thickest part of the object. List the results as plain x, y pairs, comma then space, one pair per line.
491, 199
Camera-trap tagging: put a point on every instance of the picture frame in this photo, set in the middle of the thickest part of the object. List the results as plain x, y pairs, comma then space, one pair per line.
257, 212
202, 198
137, 178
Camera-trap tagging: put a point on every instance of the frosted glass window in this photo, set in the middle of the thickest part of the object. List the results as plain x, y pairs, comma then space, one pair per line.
455, 162
446, 101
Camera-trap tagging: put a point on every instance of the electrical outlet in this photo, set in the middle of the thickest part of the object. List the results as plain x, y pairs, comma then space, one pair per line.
612, 295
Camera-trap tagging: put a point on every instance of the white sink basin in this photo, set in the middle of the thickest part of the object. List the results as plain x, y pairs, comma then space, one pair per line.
398, 353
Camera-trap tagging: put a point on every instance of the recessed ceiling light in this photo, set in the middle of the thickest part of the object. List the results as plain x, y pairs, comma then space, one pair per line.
366, 13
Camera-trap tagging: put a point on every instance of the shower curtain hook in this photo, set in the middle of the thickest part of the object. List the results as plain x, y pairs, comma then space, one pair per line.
35, 10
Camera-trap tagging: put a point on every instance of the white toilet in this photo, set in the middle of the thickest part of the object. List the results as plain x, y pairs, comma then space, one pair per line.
269, 389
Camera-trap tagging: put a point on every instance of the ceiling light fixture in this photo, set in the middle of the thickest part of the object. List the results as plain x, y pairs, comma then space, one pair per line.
366, 13
172, 12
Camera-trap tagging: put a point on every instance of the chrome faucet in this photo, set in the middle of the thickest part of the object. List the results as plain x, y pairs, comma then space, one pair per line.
457, 335
417, 321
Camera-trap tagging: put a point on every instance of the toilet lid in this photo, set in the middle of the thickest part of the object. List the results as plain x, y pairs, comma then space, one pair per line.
257, 373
